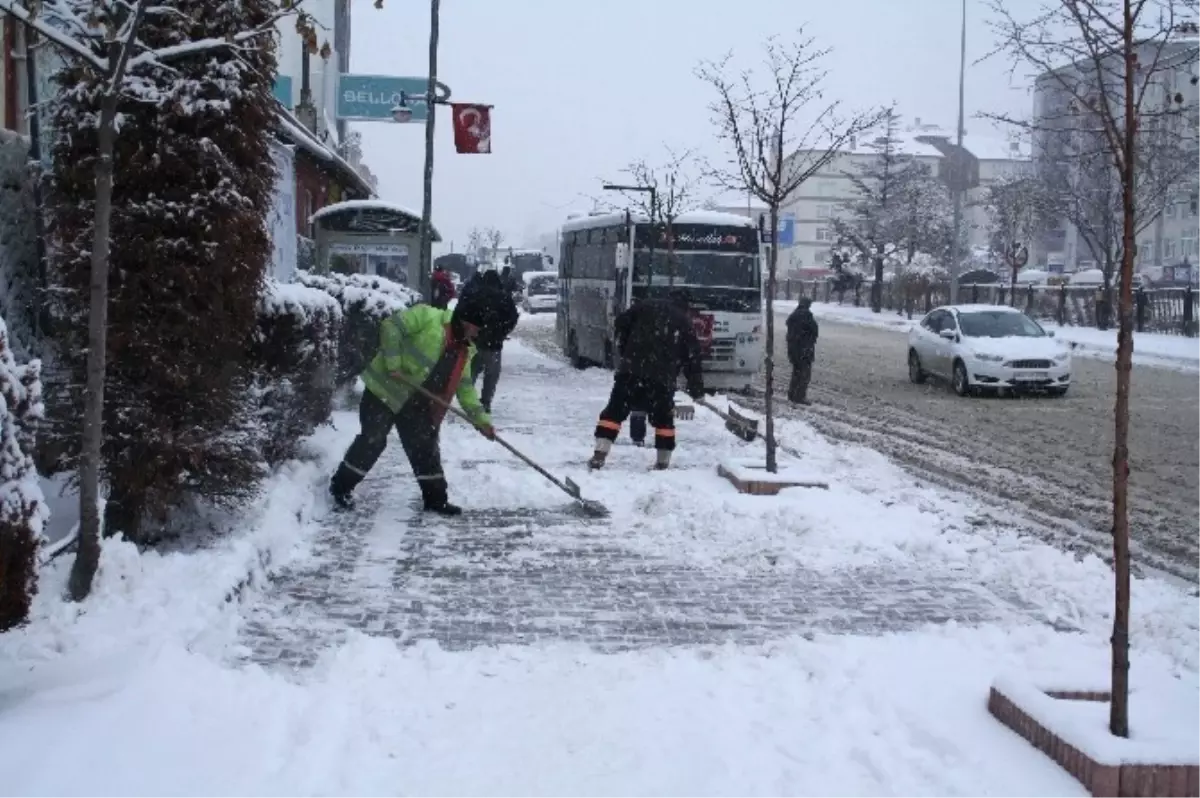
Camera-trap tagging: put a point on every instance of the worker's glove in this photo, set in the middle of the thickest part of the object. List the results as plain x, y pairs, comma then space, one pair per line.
488, 431
696, 391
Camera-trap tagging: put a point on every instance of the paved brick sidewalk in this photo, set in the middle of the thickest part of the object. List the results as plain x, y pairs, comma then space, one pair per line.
514, 575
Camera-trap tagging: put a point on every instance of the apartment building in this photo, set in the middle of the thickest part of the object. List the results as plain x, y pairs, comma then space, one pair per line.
1167, 247
827, 195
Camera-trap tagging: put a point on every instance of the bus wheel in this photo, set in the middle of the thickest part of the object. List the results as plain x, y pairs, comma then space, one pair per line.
573, 352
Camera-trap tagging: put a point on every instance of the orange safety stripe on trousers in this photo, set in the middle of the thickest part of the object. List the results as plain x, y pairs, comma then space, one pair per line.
664, 433
604, 422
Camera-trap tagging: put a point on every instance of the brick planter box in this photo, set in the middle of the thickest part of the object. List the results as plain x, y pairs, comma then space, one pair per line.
751, 476
1070, 727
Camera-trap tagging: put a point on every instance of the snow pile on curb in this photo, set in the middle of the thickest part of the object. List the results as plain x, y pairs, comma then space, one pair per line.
148, 598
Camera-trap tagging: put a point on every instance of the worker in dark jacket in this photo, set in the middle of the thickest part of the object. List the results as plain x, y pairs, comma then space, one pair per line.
802, 350
490, 343
420, 346
655, 339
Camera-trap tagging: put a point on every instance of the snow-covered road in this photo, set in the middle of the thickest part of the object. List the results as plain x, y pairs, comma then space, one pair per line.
1046, 458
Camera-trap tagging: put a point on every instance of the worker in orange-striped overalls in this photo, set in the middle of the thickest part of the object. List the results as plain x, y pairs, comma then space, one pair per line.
655, 339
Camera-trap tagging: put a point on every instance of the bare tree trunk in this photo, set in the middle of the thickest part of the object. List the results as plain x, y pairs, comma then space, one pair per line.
1118, 722
877, 288
769, 361
87, 558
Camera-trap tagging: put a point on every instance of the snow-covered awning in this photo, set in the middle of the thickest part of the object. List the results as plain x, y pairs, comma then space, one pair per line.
294, 131
370, 216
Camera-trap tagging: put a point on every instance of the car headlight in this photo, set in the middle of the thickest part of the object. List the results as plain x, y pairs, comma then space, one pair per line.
1062, 357
989, 358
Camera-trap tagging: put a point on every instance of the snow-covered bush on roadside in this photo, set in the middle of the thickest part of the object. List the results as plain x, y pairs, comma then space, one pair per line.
366, 300
294, 353
22, 506
18, 244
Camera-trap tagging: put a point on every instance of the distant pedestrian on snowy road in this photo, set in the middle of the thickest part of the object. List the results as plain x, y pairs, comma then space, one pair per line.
490, 343
802, 334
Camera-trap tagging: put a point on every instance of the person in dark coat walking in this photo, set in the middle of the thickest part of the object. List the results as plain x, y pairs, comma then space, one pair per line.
802, 350
490, 343
655, 339
430, 347
442, 288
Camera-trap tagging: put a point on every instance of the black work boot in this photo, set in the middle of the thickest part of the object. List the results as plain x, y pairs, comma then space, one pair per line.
341, 487
433, 495
603, 446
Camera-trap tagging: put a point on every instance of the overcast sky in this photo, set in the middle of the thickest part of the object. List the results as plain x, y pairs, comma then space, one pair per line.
581, 87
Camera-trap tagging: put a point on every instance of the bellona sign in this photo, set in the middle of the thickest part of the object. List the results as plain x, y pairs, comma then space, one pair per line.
371, 98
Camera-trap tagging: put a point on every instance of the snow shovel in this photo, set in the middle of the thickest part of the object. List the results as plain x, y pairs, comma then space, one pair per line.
568, 487
744, 428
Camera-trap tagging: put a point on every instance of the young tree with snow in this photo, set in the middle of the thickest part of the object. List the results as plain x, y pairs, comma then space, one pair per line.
1020, 209
1115, 124
675, 184
780, 131
899, 209
120, 57
22, 506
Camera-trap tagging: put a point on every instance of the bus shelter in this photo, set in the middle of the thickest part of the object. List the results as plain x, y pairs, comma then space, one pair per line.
374, 236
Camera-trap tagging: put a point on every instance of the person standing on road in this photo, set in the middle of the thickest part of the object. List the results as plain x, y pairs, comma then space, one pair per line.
442, 288
429, 347
490, 343
655, 339
802, 334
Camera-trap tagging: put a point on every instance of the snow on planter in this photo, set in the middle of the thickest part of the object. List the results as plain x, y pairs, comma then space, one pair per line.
1070, 725
752, 476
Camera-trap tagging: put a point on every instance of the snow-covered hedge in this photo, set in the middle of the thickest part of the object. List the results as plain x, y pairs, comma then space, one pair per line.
22, 506
18, 243
295, 357
366, 300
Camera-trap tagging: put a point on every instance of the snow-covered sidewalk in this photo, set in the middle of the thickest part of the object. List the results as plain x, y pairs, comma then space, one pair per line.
1149, 349
696, 642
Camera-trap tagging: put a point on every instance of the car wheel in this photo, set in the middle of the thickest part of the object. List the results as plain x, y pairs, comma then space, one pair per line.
960, 382
916, 374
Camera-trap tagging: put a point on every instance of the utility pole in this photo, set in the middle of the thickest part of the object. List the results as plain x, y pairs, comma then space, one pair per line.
426, 255
955, 254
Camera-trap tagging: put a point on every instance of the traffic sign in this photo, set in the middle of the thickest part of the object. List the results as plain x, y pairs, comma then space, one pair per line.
371, 98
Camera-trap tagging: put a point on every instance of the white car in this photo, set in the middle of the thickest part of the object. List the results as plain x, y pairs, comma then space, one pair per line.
539, 291
987, 347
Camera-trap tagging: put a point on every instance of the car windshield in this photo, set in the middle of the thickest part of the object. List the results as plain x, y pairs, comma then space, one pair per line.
998, 324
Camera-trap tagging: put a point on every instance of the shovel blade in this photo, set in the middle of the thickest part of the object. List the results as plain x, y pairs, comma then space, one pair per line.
572, 488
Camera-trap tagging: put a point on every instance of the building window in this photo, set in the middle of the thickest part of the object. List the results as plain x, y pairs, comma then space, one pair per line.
824, 211
1187, 246
1193, 201
1171, 210
825, 188
824, 234
1168, 250
1146, 252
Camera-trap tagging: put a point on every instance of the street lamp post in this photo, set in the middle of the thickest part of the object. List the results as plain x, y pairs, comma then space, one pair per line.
955, 255
653, 222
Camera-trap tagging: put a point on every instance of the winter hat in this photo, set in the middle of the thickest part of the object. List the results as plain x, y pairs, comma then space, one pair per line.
804, 302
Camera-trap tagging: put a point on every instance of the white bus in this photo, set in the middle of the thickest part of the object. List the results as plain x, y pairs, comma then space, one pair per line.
715, 263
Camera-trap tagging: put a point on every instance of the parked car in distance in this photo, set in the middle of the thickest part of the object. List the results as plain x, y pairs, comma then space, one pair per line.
990, 347
539, 291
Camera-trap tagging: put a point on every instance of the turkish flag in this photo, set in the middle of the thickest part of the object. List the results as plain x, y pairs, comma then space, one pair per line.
472, 127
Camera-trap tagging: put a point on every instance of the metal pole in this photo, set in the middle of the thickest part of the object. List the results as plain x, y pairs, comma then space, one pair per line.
955, 255
426, 256
41, 315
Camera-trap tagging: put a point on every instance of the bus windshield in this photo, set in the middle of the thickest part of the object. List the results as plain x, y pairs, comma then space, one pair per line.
731, 270
532, 262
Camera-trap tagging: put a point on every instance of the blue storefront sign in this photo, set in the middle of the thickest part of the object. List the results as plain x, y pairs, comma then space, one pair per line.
283, 90
371, 98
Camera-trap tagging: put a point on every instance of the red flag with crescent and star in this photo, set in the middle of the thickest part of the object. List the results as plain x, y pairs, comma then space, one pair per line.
472, 128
